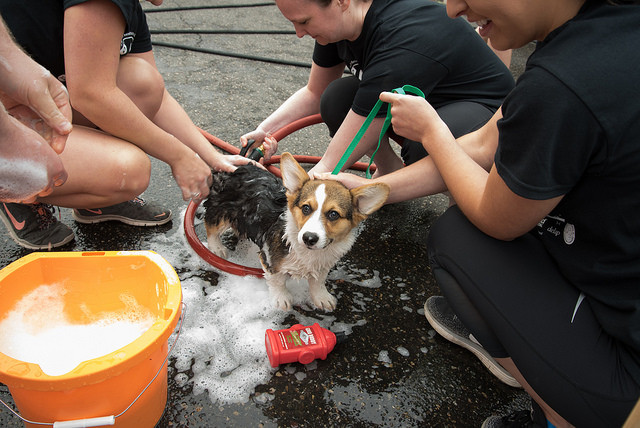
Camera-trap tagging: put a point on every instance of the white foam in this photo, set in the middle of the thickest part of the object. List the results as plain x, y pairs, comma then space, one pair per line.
383, 357
221, 348
403, 351
37, 331
21, 178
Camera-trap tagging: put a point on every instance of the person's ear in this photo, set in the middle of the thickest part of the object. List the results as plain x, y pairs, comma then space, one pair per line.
344, 4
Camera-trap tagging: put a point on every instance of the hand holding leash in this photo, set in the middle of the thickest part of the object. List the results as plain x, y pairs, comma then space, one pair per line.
372, 114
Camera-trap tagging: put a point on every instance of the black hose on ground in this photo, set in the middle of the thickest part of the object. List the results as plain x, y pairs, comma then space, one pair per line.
217, 52
219, 6
222, 32
233, 54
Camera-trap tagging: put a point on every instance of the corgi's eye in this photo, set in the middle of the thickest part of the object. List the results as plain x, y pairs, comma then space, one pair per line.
333, 215
306, 209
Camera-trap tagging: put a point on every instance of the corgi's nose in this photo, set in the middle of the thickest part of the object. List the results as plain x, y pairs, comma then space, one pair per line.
310, 239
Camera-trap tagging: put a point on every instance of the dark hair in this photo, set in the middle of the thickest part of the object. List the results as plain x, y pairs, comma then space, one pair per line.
621, 2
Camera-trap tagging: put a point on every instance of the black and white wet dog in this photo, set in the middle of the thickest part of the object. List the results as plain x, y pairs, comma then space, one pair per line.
302, 228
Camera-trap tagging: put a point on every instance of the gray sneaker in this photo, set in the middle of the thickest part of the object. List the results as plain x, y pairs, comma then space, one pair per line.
34, 226
446, 323
135, 212
532, 418
520, 419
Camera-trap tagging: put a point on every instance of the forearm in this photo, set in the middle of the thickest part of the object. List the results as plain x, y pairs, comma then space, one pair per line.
305, 101
172, 118
423, 178
115, 113
344, 137
464, 165
464, 178
301, 104
14, 63
419, 179
8, 49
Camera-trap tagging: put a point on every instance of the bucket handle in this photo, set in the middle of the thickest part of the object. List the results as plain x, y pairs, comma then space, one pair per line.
105, 420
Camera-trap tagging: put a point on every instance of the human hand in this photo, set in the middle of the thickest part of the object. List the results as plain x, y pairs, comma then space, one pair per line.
197, 186
259, 138
29, 167
254, 138
193, 176
319, 168
413, 117
351, 181
32, 95
269, 147
229, 163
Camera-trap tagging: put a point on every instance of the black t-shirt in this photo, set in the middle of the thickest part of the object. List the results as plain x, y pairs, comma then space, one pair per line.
37, 26
414, 42
572, 127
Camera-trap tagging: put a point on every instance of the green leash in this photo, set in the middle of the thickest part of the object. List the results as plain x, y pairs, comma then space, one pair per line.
372, 114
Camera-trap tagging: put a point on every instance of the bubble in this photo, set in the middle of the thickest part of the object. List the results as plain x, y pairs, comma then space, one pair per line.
21, 178
37, 331
403, 351
383, 357
221, 349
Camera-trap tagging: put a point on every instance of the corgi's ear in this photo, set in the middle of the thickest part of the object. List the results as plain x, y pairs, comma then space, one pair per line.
293, 175
370, 197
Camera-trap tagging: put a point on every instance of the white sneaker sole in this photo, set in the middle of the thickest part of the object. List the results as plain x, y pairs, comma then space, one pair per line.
494, 367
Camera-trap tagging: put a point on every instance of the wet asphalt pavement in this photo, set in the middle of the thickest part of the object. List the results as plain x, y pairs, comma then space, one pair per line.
425, 381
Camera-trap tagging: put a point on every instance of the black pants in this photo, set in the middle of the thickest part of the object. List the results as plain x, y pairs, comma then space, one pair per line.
514, 300
461, 117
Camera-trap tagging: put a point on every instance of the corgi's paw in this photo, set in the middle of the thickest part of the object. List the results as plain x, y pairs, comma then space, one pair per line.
324, 300
282, 299
217, 248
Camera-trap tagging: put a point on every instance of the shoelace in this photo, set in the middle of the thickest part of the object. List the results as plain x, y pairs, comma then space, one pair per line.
138, 200
44, 214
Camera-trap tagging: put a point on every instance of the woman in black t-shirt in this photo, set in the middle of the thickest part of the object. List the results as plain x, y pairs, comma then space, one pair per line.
386, 44
102, 51
539, 263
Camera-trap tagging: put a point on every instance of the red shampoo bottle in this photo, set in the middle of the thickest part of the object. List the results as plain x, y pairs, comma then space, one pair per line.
300, 343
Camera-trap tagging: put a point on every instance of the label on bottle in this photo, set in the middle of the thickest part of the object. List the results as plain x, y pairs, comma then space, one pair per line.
293, 338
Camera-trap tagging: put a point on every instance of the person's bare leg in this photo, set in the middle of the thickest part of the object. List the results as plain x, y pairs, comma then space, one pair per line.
102, 171
386, 160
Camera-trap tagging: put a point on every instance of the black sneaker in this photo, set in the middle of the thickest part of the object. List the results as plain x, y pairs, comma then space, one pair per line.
135, 212
446, 323
34, 226
533, 418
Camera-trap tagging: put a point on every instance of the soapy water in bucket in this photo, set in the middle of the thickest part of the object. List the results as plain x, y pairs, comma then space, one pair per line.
37, 331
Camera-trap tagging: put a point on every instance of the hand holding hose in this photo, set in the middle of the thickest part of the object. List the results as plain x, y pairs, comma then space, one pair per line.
266, 147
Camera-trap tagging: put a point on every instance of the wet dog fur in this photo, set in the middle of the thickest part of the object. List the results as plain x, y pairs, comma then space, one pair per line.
301, 226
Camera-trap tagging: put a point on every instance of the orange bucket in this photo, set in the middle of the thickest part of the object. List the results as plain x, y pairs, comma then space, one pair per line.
125, 388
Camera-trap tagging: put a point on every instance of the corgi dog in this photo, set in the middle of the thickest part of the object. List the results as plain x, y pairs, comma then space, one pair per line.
302, 227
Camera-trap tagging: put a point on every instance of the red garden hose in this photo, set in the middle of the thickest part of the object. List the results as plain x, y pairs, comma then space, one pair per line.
189, 229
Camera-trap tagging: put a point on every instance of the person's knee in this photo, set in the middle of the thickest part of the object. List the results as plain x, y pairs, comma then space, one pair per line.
448, 224
412, 151
133, 173
142, 83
